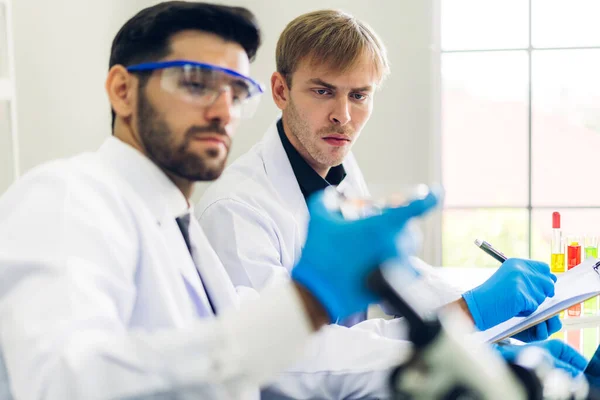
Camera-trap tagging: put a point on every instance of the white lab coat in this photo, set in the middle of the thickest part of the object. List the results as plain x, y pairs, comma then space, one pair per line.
97, 288
256, 218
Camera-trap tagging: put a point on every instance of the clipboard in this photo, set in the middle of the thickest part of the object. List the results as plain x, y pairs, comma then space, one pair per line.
575, 286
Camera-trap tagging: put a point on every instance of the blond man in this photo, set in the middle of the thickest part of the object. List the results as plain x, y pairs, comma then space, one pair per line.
329, 67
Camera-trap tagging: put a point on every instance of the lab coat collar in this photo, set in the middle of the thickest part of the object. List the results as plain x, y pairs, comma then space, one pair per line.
161, 195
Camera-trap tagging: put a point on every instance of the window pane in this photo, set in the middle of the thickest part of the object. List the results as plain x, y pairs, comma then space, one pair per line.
505, 229
566, 128
573, 222
482, 24
6, 159
562, 23
485, 128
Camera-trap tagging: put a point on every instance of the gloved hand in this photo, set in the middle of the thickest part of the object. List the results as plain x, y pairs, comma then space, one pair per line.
563, 356
541, 331
516, 289
339, 255
592, 371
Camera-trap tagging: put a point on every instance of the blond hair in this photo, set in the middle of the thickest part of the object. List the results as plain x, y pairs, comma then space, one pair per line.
329, 37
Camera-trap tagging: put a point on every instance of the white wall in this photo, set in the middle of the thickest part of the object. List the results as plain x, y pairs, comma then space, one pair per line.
61, 59
62, 49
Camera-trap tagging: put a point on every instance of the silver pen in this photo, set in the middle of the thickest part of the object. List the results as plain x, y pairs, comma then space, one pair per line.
485, 246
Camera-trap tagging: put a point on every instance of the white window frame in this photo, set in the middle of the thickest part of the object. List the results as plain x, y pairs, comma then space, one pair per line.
438, 256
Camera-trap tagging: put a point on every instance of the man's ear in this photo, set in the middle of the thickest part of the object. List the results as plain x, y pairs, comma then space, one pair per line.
280, 90
120, 88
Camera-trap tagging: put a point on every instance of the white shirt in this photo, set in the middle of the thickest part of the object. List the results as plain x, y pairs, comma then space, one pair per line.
255, 217
96, 285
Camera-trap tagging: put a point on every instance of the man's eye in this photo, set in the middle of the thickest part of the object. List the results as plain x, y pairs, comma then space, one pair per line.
195, 87
322, 92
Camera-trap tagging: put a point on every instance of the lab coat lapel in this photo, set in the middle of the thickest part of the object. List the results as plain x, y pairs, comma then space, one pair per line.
206, 264
216, 281
280, 172
354, 184
184, 264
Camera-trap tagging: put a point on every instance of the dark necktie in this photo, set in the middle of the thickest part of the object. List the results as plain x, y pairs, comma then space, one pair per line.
184, 226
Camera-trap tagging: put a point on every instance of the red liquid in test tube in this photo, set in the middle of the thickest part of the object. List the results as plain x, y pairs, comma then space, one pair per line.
573, 259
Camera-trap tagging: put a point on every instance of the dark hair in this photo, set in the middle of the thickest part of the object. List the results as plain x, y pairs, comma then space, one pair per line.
145, 37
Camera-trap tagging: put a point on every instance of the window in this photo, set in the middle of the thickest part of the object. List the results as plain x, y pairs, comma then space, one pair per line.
520, 125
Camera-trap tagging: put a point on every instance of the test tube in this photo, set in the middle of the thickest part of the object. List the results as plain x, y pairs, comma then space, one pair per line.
573, 260
557, 257
591, 246
574, 337
557, 252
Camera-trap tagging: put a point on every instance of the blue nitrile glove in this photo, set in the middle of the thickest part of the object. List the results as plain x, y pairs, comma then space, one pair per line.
541, 331
592, 371
516, 289
339, 255
563, 356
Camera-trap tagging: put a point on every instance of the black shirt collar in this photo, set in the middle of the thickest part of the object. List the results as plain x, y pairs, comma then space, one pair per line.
308, 179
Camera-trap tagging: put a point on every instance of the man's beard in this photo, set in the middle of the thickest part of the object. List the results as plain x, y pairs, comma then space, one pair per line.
160, 146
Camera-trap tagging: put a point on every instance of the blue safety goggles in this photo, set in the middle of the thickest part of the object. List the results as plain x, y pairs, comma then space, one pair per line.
201, 84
